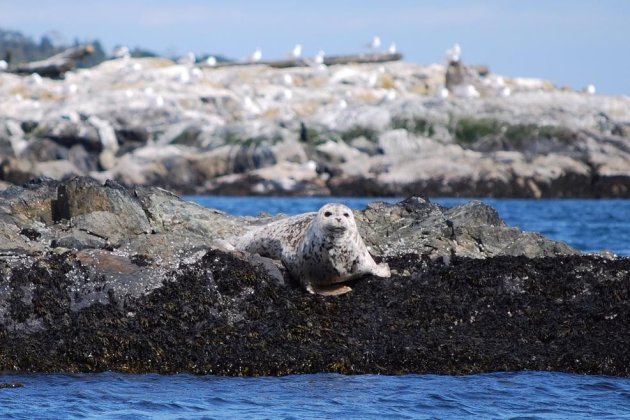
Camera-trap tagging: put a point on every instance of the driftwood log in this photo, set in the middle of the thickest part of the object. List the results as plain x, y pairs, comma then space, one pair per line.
56, 65
332, 60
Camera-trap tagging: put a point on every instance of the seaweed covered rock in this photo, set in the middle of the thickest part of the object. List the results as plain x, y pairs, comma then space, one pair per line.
222, 315
155, 286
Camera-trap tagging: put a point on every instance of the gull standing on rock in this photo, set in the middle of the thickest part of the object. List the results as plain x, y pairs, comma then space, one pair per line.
453, 54
211, 61
392, 48
35, 79
256, 56
297, 51
375, 44
121, 52
319, 58
188, 59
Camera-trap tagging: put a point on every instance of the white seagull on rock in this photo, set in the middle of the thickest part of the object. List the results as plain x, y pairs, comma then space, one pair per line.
256, 56
590, 89
188, 59
392, 48
452, 54
121, 52
376, 43
211, 61
319, 58
297, 51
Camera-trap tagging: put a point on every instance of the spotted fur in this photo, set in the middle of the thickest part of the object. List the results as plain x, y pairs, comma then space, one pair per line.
319, 249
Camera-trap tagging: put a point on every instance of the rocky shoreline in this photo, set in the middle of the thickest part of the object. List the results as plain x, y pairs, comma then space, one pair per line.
357, 129
99, 277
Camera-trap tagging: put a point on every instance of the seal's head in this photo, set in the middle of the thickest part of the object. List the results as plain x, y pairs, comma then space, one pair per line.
335, 219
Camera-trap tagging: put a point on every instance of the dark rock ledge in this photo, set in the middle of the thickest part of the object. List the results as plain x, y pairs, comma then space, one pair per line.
156, 295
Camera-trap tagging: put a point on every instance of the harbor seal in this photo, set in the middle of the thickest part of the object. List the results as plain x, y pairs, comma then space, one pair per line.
320, 250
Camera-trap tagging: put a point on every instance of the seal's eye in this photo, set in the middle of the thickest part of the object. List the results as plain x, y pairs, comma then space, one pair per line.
346, 215
327, 214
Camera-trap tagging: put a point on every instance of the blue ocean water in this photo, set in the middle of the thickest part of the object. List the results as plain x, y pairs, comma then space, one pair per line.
589, 225
499, 395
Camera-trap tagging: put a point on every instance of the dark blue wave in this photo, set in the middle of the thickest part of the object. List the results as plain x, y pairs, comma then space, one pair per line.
498, 395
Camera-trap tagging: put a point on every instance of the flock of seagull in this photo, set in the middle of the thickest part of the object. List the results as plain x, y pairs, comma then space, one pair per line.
452, 55
296, 52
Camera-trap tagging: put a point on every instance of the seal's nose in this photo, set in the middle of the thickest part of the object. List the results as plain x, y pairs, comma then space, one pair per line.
338, 219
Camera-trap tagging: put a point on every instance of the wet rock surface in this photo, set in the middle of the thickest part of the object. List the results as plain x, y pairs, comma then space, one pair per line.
166, 294
221, 315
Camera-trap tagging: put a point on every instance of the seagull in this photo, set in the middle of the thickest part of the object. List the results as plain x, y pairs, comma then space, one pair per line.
196, 73
256, 56
297, 51
452, 54
3, 65
121, 52
319, 58
72, 88
376, 43
392, 48
211, 61
189, 58
466, 91
36, 79
590, 89
184, 76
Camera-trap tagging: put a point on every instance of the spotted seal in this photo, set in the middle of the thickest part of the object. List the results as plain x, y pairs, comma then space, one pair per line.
319, 249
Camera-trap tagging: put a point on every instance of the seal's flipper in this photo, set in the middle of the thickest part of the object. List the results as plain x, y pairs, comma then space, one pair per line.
382, 270
332, 290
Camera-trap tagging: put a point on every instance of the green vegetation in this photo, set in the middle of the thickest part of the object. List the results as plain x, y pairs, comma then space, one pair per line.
356, 131
414, 125
314, 137
471, 130
233, 138
311, 136
468, 131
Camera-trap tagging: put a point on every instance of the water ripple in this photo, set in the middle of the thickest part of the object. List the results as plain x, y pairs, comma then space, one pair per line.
588, 225
499, 395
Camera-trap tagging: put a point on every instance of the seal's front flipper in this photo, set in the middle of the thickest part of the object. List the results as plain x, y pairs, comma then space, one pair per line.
382, 270
332, 290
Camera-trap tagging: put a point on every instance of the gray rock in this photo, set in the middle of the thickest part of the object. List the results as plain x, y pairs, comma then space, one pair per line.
473, 230
154, 122
41, 150
107, 211
81, 214
165, 299
67, 132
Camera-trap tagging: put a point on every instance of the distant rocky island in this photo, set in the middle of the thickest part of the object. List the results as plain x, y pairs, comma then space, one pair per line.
370, 129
